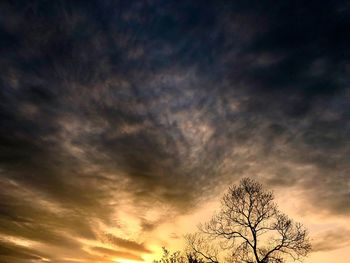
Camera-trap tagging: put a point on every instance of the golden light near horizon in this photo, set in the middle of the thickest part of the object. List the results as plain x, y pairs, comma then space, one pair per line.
125, 261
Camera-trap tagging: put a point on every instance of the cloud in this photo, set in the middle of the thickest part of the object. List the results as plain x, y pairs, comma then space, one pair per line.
331, 240
114, 253
13, 253
128, 244
160, 105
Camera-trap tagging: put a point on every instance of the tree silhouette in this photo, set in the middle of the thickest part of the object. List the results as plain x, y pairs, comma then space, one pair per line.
201, 248
250, 226
177, 257
194, 259
169, 257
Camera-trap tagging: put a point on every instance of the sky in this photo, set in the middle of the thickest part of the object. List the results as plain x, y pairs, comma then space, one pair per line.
122, 123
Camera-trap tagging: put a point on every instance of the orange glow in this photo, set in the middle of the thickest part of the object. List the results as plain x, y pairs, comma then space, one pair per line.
126, 261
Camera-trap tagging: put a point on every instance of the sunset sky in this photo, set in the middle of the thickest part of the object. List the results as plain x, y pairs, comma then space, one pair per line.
122, 123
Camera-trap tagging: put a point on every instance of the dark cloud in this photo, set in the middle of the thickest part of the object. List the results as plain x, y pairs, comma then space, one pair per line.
166, 101
14, 253
331, 240
114, 253
127, 244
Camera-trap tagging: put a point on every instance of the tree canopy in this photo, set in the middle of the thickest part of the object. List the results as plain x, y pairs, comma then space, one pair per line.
249, 227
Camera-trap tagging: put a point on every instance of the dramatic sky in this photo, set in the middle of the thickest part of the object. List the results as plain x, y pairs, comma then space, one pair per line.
122, 123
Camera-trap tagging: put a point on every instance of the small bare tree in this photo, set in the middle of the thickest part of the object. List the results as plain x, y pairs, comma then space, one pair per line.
169, 257
178, 257
201, 248
251, 227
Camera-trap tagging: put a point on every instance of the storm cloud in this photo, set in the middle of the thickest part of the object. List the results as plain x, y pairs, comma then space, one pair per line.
159, 105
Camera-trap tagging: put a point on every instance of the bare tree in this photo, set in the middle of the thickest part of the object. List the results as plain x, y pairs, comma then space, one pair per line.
201, 248
178, 257
251, 227
169, 257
